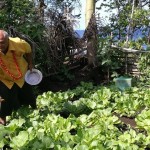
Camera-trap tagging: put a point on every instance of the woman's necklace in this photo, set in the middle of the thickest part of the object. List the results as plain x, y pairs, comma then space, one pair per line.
6, 69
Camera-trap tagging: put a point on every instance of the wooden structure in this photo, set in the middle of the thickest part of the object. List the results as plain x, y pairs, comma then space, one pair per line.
130, 59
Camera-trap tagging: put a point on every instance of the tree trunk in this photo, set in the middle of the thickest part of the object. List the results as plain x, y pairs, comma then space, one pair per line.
91, 32
129, 29
90, 10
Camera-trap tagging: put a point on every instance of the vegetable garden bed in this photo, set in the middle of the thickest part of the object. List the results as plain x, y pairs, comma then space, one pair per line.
85, 118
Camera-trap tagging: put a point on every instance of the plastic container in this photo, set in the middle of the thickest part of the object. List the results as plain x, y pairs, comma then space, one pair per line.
123, 83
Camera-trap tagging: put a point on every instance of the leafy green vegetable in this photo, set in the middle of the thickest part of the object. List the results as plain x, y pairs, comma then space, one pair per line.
90, 122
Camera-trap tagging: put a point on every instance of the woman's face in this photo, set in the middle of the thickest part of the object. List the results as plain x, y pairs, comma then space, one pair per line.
3, 42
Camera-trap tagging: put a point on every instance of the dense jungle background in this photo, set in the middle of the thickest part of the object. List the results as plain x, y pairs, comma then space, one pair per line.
61, 54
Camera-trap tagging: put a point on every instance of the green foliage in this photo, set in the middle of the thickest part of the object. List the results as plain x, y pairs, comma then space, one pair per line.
143, 120
107, 56
143, 65
120, 22
45, 128
141, 17
64, 74
20, 14
22, 17
133, 44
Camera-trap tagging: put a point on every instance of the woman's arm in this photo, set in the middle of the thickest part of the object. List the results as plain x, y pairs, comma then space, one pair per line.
28, 57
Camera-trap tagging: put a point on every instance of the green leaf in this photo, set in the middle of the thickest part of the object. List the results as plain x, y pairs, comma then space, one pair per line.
20, 140
2, 143
81, 147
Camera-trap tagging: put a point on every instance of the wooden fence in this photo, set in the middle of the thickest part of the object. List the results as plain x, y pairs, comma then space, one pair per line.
130, 59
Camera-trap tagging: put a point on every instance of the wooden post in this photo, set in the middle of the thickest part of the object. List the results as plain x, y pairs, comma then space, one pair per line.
126, 63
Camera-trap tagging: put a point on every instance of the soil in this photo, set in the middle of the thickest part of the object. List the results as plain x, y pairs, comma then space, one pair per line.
128, 121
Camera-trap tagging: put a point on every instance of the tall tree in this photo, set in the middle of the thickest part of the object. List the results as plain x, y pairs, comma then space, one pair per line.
90, 34
90, 10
